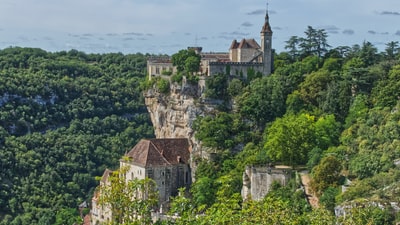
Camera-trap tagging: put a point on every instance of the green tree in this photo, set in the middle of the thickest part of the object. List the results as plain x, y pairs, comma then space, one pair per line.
186, 60
68, 216
292, 46
290, 138
263, 100
130, 201
392, 50
326, 173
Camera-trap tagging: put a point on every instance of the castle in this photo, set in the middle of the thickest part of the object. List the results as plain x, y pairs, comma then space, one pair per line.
243, 57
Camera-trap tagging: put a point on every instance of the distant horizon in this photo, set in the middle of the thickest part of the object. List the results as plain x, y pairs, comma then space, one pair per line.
165, 27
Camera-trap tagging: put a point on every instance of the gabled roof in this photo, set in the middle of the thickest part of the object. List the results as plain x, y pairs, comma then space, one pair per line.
245, 43
160, 152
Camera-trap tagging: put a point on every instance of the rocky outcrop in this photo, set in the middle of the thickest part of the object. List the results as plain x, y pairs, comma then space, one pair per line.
173, 114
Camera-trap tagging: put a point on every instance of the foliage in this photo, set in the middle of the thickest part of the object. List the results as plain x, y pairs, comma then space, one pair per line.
163, 85
262, 101
326, 174
130, 201
64, 118
216, 86
186, 60
223, 131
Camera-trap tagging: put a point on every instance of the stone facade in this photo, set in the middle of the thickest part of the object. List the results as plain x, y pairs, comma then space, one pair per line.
242, 56
101, 214
257, 180
156, 66
165, 160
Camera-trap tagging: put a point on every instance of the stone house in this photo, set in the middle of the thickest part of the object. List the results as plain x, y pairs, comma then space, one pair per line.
166, 161
244, 56
100, 213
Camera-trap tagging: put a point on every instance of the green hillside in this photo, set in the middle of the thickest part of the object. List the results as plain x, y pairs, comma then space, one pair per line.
64, 118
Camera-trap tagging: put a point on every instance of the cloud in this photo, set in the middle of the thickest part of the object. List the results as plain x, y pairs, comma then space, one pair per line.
348, 32
226, 37
128, 39
112, 34
247, 24
390, 13
203, 38
133, 34
188, 34
150, 35
385, 33
397, 33
371, 32
277, 28
236, 33
332, 29
256, 12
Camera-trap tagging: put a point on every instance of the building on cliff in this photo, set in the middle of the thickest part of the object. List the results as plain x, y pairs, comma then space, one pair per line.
243, 57
166, 161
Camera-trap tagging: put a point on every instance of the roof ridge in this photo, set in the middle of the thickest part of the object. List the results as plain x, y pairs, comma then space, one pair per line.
158, 150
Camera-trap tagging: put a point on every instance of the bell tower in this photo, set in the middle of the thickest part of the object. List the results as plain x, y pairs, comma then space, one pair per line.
266, 45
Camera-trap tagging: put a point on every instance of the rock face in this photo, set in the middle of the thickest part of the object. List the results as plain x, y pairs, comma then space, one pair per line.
173, 114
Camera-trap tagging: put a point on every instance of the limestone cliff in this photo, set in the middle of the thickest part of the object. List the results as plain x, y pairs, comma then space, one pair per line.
173, 114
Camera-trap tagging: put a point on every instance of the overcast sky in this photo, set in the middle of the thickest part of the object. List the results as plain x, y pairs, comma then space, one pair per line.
166, 26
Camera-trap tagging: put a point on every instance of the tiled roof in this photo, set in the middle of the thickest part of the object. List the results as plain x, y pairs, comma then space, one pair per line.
160, 152
245, 43
266, 28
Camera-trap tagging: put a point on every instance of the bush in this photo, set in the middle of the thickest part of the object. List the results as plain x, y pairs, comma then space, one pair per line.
163, 86
177, 78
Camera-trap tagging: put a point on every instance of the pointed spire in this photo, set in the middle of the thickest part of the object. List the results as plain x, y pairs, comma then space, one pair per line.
266, 28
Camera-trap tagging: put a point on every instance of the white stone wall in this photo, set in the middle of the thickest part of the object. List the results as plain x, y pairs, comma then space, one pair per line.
237, 69
257, 181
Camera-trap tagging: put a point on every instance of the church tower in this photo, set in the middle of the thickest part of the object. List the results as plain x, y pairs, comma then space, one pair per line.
266, 45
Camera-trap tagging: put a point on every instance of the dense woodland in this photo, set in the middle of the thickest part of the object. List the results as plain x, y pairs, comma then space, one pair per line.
64, 118
67, 116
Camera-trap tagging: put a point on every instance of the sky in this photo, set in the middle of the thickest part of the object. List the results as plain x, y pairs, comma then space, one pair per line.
167, 26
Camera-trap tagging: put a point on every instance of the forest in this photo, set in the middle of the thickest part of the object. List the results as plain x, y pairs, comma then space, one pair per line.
66, 116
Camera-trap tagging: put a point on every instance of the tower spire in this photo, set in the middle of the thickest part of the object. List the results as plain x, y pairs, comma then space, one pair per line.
266, 28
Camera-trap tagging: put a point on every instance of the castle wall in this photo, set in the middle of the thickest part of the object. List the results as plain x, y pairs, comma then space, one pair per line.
238, 69
168, 179
246, 54
257, 181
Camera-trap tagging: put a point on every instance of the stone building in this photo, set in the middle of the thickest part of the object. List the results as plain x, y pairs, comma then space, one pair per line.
101, 213
166, 161
243, 57
257, 181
